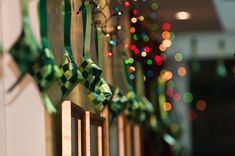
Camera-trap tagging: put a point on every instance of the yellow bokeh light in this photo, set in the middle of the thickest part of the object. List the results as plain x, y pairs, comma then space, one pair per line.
143, 54
182, 71
201, 105
133, 20
141, 18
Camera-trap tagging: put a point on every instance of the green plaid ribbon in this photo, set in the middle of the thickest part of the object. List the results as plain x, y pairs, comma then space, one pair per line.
100, 92
91, 74
44, 71
39, 62
118, 103
101, 96
71, 76
26, 50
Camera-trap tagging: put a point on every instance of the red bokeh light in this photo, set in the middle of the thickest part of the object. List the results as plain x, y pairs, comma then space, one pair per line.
166, 26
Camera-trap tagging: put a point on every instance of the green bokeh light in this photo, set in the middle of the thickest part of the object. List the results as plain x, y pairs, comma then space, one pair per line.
188, 97
154, 6
178, 57
149, 62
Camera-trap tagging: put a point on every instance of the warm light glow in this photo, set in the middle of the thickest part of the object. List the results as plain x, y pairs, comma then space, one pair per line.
144, 54
126, 45
201, 105
182, 71
182, 15
166, 75
166, 43
167, 106
110, 54
132, 30
162, 48
119, 27
133, 20
132, 69
166, 35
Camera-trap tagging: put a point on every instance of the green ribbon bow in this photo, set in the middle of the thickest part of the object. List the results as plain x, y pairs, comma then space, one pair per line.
39, 62
91, 74
71, 75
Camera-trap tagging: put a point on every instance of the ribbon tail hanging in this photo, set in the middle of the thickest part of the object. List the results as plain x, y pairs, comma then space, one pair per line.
48, 104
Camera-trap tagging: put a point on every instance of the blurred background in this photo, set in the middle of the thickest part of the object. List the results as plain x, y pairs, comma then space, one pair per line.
202, 64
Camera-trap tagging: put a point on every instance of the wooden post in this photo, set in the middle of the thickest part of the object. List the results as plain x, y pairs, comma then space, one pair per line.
100, 149
139, 84
137, 140
121, 136
86, 134
79, 131
66, 129
105, 134
128, 139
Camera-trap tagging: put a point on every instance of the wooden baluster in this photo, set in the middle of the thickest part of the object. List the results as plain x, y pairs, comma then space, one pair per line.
86, 134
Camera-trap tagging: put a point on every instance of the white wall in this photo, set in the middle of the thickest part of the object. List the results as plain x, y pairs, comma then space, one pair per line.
22, 125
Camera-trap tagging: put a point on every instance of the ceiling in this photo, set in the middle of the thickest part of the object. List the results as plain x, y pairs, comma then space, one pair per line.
207, 15
204, 16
